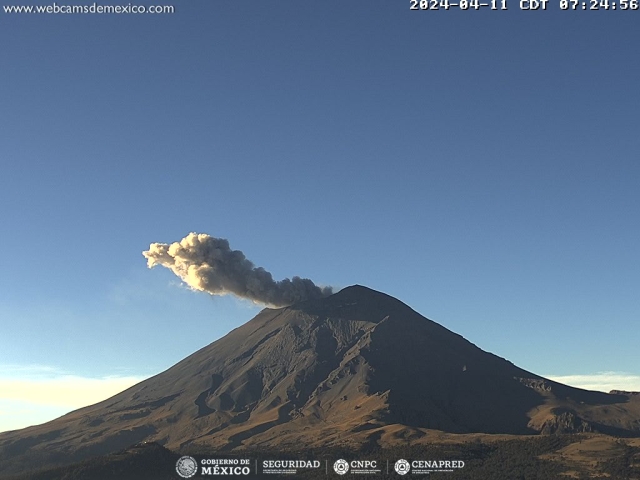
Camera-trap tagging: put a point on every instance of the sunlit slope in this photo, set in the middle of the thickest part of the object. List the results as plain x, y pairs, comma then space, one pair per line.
356, 367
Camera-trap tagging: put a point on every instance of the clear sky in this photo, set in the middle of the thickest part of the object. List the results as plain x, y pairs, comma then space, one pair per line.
481, 166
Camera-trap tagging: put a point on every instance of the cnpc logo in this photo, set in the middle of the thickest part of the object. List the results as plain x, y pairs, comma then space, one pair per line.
341, 466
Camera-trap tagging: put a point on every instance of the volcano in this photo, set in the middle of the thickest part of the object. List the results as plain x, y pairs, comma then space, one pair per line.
357, 366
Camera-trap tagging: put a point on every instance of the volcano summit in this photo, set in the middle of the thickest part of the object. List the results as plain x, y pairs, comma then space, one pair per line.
354, 367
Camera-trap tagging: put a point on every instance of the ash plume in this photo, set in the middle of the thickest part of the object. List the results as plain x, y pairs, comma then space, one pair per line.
207, 264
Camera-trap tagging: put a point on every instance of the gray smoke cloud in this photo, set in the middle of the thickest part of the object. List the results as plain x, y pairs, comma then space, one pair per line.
207, 264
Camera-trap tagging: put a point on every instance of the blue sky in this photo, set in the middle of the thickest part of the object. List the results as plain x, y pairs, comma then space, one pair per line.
483, 167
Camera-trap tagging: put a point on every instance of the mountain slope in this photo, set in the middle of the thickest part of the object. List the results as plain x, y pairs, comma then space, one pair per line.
358, 366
